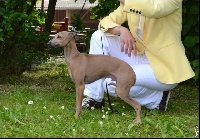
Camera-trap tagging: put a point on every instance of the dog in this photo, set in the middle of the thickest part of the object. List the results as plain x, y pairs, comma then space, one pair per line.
87, 68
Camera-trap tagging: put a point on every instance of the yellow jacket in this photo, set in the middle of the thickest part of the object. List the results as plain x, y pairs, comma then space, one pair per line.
161, 25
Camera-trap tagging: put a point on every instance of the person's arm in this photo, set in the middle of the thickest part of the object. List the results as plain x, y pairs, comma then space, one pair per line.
121, 1
126, 39
112, 24
151, 8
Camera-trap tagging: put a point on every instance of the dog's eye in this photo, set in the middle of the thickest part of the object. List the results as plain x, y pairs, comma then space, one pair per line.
59, 36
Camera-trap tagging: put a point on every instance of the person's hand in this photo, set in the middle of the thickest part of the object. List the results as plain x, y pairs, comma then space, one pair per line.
128, 42
121, 1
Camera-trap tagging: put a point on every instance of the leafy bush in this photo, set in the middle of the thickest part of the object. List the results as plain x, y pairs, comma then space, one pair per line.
20, 42
190, 33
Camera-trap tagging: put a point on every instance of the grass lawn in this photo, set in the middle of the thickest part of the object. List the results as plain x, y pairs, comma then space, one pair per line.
39, 104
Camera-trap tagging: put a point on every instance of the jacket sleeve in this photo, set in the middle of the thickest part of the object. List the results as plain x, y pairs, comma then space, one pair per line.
116, 18
152, 8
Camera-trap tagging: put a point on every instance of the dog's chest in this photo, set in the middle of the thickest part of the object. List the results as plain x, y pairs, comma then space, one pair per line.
70, 74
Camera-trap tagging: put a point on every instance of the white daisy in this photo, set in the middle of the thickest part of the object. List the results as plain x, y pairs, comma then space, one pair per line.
123, 114
51, 116
5, 108
101, 123
30, 102
103, 117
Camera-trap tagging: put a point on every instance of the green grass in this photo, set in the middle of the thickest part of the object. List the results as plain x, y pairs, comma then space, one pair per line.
53, 94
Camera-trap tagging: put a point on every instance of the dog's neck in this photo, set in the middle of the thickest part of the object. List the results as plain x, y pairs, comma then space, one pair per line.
70, 50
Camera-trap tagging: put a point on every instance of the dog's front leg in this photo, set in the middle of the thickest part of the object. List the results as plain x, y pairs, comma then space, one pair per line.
79, 97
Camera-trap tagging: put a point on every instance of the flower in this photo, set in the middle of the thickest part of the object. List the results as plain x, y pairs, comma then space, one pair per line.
123, 114
58, 116
101, 123
103, 116
5, 108
92, 108
51, 116
73, 130
44, 107
30, 102
62, 107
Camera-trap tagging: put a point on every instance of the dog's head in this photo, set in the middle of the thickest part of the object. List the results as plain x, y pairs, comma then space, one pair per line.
61, 39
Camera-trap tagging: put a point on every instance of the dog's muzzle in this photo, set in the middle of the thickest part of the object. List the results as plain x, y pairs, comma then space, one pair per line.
52, 44
49, 43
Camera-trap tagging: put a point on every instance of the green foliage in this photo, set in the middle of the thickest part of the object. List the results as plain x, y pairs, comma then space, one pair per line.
20, 42
103, 8
190, 30
190, 33
78, 22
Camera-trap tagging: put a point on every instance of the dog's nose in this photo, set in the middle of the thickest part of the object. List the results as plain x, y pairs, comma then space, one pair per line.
49, 43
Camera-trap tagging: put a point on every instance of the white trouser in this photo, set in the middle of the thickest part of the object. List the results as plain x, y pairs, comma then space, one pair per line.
147, 90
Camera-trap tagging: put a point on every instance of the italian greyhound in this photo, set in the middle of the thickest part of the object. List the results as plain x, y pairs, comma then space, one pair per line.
87, 68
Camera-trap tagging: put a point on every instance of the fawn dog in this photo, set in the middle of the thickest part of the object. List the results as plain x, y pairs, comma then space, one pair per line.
87, 68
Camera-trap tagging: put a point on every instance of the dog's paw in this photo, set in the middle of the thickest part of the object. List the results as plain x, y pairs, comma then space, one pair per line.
137, 121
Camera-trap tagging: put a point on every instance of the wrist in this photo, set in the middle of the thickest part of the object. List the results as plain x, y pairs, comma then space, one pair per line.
122, 29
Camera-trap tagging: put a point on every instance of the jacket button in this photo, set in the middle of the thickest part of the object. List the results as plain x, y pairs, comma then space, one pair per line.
140, 12
131, 10
101, 27
136, 11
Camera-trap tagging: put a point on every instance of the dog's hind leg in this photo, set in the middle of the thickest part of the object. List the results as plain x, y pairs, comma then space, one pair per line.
124, 94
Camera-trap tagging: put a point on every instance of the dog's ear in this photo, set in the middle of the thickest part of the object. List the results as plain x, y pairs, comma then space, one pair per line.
76, 37
72, 34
